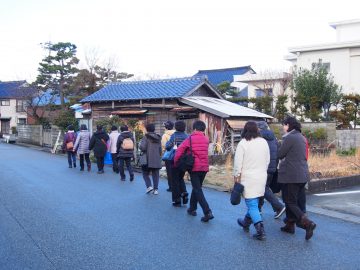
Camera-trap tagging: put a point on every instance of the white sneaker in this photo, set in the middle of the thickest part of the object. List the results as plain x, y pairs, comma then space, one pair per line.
149, 189
156, 192
279, 213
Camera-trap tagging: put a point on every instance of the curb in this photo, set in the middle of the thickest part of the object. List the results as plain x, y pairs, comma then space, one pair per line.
333, 214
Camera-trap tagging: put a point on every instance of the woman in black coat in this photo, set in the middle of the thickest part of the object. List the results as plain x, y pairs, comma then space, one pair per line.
98, 144
150, 145
294, 174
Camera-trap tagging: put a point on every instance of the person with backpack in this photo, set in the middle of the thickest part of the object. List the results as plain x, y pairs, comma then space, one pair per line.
114, 135
98, 143
125, 152
150, 145
82, 147
197, 144
169, 130
178, 187
68, 146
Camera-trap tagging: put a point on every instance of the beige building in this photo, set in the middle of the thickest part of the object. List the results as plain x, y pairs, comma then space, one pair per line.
12, 105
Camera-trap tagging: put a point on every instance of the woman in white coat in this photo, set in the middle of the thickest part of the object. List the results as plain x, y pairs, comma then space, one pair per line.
252, 158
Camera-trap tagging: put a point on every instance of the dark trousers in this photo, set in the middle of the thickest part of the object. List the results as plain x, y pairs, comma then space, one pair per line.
178, 186
127, 161
100, 163
155, 177
197, 195
168, 165
87, 159
115, 162
269, 196
71, 158
295, 200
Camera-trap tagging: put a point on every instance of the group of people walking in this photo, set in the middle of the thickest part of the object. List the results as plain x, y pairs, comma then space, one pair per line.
259, 161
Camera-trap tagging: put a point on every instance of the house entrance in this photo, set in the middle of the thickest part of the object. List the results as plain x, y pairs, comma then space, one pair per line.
5, 126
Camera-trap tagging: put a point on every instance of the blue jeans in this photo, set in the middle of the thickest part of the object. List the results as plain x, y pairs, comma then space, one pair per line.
253, 210
71, 158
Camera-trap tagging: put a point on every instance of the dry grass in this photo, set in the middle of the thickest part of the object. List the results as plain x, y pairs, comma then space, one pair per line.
334, 165
328, 166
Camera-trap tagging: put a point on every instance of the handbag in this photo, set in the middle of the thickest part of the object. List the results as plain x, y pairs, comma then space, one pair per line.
69, 146
274, 185
169, 155
186, 161
143, 159
236, 193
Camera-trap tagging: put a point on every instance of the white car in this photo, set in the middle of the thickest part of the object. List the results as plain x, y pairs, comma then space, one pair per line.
9, 138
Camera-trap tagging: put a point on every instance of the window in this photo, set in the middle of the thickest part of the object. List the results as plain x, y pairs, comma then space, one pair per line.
21, 121
5, 102
263, 92
21, 106
325, 65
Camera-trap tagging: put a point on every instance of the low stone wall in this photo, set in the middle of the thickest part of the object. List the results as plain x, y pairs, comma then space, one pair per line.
327, 184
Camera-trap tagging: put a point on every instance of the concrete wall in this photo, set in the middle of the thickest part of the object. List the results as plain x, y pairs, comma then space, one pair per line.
37, 135
330, 128
31, 134
347, 139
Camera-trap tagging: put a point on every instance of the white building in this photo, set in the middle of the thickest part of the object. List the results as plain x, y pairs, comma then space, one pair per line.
12, 105
341, 57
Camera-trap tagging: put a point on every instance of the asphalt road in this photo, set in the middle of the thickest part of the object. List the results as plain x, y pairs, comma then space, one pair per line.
53, 217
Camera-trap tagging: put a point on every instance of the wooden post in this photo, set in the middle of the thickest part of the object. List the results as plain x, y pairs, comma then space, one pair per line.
232, 142
135, 147
56, 143
141, 103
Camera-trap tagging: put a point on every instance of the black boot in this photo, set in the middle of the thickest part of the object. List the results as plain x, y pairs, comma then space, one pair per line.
207, 217
289, 227
308, 225
185, 197
260, 232
245, 223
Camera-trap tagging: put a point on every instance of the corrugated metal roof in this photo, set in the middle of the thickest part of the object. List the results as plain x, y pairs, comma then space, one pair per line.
222, 108
217, 76
154, 89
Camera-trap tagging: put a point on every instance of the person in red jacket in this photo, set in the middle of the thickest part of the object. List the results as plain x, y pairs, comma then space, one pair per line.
199, 145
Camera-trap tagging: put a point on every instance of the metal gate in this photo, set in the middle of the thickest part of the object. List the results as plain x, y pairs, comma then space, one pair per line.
47, 138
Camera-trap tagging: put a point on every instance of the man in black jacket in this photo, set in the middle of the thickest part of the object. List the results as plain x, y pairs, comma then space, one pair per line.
269, 136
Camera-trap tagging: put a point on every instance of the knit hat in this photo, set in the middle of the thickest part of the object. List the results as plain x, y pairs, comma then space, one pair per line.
169, 125
262, 125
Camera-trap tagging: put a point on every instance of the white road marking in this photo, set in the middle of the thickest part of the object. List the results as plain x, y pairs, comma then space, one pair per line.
338, 193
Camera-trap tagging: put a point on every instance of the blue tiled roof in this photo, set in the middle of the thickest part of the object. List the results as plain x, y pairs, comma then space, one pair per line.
13, 89
154, 89
48, 98
217, 76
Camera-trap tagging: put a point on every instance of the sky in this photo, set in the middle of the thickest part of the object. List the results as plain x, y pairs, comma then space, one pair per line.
165, 38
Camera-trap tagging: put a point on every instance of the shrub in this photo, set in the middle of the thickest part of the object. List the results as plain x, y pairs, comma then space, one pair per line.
349, 152
66, 118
